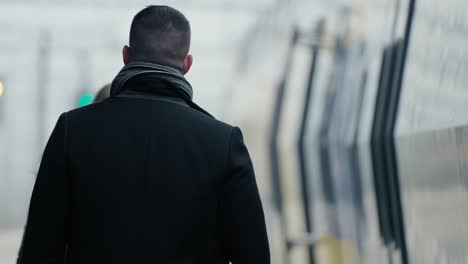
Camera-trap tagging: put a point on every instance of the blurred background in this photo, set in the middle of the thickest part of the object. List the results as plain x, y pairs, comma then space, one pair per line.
354, 111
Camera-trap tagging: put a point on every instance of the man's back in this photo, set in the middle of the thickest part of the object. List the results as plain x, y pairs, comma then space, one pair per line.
149, 180
151, 177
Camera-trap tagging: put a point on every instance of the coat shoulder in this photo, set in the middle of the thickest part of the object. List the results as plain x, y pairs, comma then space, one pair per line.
193, 116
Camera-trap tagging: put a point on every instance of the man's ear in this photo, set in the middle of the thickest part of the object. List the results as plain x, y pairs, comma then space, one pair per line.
187, 64
126, 54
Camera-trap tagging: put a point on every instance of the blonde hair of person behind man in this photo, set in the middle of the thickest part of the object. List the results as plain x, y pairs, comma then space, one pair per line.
103, 93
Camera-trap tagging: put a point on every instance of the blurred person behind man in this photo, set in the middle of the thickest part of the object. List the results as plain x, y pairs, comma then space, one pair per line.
102, 94
146, 176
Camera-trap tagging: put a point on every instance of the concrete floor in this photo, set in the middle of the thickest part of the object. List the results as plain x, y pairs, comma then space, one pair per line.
10, 240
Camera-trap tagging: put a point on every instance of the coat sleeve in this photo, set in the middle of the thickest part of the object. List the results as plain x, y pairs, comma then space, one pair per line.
242, 219
45, 236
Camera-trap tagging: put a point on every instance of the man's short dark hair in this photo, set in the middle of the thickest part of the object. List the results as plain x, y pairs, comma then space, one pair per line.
160, 34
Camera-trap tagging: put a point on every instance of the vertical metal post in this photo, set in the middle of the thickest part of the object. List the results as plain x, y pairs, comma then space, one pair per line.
304, 173
389, 136
84, 71
275, 127
42, 85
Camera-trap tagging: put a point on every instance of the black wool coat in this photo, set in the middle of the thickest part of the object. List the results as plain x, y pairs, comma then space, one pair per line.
145, 179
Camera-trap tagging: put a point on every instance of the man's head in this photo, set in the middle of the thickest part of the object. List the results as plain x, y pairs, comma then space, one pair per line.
160, 34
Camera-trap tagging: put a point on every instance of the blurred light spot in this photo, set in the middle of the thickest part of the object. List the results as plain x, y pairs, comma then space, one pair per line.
85, 99
1, 88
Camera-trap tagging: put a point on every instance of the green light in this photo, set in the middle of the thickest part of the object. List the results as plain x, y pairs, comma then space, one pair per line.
85, 99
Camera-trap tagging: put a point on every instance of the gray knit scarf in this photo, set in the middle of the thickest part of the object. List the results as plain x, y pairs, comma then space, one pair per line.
156, 71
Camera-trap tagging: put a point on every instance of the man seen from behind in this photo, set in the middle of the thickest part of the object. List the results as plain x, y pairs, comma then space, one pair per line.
146, 175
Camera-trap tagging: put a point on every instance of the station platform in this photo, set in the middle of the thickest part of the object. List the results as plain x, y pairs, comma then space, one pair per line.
10, 240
